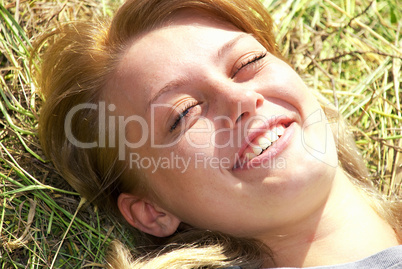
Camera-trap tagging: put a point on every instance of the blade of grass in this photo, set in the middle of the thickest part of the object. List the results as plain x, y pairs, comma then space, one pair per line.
397, 50
82, 202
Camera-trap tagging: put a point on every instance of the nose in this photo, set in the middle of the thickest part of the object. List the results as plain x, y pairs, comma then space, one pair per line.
235, 103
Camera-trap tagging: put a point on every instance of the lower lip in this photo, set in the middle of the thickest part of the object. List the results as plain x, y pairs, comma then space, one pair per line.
278, 147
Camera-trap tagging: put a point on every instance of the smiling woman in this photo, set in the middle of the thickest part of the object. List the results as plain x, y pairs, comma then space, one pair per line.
207, 141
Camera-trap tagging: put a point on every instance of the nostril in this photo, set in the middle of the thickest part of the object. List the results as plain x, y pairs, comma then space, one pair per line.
259, 102
240, 117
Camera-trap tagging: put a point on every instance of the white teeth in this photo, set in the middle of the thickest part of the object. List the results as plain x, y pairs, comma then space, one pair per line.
250, 155
263, 142
257, 150
271, 136
280, 130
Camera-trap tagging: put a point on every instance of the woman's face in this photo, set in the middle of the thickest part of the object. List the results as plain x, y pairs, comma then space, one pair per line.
211, 100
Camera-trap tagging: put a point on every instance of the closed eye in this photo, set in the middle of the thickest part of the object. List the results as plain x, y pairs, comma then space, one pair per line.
249, 61
183, 113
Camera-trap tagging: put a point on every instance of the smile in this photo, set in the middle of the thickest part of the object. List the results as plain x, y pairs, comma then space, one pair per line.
264, 144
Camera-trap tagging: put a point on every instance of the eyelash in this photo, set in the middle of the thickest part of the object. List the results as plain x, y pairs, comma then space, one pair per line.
182, 114
249, 61
190, 105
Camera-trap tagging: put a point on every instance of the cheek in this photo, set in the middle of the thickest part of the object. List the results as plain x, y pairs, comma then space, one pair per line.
318, 139
199, 136
282, 82
184, 193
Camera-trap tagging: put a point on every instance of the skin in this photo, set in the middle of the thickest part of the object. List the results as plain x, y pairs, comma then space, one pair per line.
295, 199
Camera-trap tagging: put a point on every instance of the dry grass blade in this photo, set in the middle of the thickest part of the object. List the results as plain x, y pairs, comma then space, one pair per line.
353, 50
350, 51
38, 208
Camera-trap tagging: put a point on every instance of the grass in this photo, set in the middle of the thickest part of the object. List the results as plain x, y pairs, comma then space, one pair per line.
350, 51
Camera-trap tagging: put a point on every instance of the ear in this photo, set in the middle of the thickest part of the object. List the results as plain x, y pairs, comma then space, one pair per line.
147, 216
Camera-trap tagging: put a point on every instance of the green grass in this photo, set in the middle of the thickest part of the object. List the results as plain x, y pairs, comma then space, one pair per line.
350, 51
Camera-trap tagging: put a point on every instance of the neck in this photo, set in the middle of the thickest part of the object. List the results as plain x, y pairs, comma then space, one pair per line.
344, 229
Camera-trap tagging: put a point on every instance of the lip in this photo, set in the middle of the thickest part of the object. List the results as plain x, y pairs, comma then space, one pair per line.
272, 151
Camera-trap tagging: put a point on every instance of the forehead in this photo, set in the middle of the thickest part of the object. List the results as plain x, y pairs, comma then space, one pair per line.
167, 52
186, 32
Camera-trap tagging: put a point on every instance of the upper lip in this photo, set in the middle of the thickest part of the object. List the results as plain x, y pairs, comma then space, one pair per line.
260, 129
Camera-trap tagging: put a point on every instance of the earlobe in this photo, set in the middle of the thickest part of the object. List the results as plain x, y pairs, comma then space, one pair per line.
146, 216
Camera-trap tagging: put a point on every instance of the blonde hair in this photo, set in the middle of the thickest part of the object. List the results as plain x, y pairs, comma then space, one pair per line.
79, 61
195, 249
76, 68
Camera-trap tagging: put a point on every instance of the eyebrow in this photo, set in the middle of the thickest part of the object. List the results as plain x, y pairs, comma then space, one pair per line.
170, 86
229, 45
176, 83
